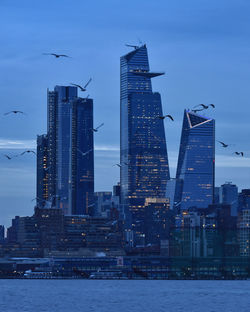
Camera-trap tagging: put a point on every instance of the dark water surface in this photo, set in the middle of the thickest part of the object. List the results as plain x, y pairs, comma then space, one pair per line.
124, 295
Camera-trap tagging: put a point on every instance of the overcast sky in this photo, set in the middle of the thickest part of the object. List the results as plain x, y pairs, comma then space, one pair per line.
203, 46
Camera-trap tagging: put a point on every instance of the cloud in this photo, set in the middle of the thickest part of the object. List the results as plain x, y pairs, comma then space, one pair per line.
17, 144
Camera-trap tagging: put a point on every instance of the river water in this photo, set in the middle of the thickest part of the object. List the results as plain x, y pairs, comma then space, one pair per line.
124, 295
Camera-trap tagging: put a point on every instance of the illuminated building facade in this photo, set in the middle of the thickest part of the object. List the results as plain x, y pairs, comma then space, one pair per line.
81, 182
196, 162
143, 151
42, 192
59, 121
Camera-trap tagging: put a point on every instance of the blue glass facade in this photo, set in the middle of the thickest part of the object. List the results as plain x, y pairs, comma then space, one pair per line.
196, 162
42, 170
143, 158
59, 122
81, 192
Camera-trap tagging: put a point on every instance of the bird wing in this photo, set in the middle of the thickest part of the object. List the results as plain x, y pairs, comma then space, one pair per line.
64, 55
198, 105
76, 85
79, 151
212, 105
221, 142
87, 83
169, 116
99, 126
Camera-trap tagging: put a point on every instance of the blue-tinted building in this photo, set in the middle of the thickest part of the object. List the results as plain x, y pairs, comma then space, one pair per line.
143, 158
229, 195
196, 162
59, 122
42, 191
81, 186
2, 235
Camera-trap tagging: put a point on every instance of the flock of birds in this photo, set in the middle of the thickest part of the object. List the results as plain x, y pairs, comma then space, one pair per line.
197, 108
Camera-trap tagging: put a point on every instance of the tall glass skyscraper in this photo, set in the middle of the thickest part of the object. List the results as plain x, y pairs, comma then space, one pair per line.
143, 152
81, 186
42, 170
59, 122
196, 162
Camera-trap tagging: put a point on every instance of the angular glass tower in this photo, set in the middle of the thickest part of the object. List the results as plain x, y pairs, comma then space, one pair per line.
81, 186
143, 151
196, 162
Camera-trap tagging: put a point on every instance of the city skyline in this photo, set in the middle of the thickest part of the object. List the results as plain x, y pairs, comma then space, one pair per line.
204, 63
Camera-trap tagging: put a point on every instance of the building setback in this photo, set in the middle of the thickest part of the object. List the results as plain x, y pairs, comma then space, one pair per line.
143, 151
196, 162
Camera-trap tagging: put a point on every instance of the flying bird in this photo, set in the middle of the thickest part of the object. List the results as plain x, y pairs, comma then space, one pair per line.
223, 144
14, 112
239, 153
96, 129
56, 55
205, 106
165, 116
118, 165
7, 156
80, 87
28, 151
84, 154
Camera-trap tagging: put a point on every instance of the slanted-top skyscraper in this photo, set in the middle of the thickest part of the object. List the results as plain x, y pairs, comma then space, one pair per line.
144, 161
196, 162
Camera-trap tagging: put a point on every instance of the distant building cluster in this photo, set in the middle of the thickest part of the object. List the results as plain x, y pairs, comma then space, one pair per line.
147, 213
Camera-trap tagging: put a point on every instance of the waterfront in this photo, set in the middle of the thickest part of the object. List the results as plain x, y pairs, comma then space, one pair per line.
131, 296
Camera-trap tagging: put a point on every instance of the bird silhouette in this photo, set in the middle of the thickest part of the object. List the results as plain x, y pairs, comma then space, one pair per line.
96, 129
205, 106
56, 55
28, 151
80, 87
223, 144
14, 112
7, 156
165, 116
118, 165
239, 153
84, 154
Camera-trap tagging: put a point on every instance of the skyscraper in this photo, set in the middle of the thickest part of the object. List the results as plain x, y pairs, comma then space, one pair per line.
229, 195
196, 162
81, 164
143, 155
42, 192
59, 122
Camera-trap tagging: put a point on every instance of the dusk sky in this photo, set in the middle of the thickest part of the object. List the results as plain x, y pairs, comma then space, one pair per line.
203, 47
